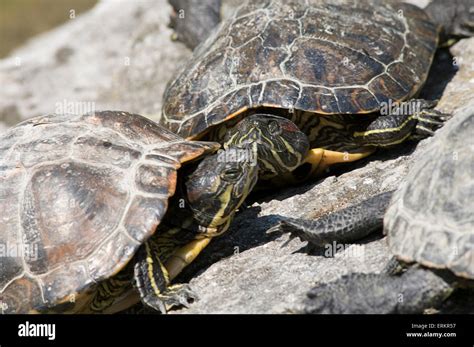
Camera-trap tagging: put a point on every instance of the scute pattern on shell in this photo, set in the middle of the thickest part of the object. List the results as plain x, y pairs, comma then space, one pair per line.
431, 219
326, 57
81, 193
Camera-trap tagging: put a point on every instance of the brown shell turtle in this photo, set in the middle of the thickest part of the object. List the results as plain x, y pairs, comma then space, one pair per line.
81, 198
331, 68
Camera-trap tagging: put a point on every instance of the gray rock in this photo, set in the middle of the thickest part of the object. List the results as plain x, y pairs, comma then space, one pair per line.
460, 90
117, 56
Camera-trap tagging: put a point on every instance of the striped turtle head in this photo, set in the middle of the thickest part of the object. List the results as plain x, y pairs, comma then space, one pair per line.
281, 145
218, 186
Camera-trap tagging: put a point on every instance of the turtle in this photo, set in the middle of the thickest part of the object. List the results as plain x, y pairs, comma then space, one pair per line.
429, 225
345, 73
104, 209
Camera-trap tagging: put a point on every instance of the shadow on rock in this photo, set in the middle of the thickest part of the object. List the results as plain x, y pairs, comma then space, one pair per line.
247, 231
441, 73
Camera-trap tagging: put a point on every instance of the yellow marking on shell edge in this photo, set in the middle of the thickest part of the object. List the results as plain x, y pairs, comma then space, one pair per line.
380, 131
149, 260
316, 113
184, 256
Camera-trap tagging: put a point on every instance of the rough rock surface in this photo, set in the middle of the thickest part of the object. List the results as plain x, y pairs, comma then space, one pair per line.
249, 270
119, 55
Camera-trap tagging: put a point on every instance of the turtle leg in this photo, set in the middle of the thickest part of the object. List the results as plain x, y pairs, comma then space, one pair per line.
185, 256
417, 120
414, 291
153, 282
315, 163
346, 225
109, 290
320, 159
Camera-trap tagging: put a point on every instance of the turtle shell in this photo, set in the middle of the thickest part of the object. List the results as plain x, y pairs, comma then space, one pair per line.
431, 219
320, 56
79, 195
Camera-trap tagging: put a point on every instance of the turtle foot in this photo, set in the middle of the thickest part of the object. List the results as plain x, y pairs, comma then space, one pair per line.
428, 121
178, 295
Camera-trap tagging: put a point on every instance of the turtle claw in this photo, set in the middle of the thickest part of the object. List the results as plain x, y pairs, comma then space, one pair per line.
184, 301
428, 121
287, 242
296, 229
286, 227
178, 295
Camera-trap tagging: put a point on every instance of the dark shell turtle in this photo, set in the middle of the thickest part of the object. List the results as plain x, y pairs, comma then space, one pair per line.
311, 83
324, 57
79, 195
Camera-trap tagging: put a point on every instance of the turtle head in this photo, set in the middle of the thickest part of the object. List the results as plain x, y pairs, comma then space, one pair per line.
281, 145
219, 185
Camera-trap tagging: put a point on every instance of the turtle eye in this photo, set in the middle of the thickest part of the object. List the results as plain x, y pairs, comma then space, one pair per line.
274, 128
231, 174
